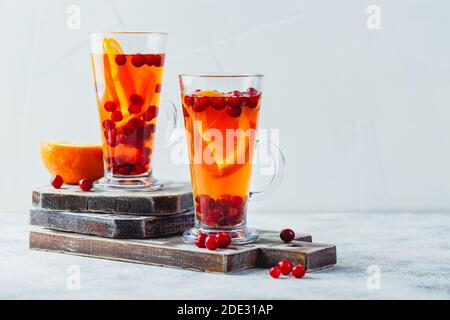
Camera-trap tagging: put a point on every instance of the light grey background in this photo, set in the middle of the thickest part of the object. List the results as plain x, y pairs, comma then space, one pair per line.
363, 114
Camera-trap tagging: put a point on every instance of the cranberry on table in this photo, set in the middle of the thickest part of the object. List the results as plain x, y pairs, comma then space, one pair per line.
200, 240
223, 239
85, 184
211, 242
285, 266
275, 272
120, 59
57, 181
298, 271
287, 235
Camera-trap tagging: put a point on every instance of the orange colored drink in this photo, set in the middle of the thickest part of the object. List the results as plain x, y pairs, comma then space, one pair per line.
221, 129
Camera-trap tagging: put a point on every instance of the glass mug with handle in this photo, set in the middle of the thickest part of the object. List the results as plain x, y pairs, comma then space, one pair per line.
128, 70
221, 118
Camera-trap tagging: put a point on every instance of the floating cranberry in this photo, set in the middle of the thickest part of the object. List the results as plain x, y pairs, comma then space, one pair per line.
252, 102
133, 124
285, 266
57, 181
234, 111
237, 93
275, 272
218, 103
151, 113
110, 106
189, 101
298, 271
108, 124
200, 240
85, 184
287, 235
200, 104
251, 92
211, 242
136, 99
185, 112
223, 239
134, 108
138, 60
149, 59
234, 101
116, 116
158, 60
120, 59
158, 88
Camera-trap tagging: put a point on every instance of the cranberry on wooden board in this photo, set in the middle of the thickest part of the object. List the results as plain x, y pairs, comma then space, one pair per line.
200, 240
275, 272
211, 242
85, 184
298, 271
57, 181
287, 235
223, 239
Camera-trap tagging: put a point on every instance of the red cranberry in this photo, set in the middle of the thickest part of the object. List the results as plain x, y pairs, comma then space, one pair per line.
223, 239
151, 113
116, 116
236, 93
218, 103
57, 181
252, 102
148, 130
158, 60
189, 101
211, 242
212, 216
236, 202
232, 212
134, 123
136, 99
108, 124
122, 138
234, 101
120, 59
275, 272
138, 60
86, 184
201, 104
298, 271
149, 59
111, 138
158, 88
205, 202
134, 108
285, 266
251, 92
185, 112
287, 235
200, 240
110, 106
234, 111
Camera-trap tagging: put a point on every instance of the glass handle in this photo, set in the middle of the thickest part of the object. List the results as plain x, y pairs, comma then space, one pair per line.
279, 163
172, 119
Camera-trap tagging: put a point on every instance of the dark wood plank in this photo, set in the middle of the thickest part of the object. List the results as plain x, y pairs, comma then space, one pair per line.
172, 252
176, 198
111, 225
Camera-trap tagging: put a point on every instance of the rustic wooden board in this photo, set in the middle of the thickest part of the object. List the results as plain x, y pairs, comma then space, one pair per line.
173, 252
175, 198
112, 225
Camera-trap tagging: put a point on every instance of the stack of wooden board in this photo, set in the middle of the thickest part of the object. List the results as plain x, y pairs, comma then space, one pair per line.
145, 227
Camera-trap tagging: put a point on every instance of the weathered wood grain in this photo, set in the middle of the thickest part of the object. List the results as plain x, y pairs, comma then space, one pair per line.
175, 198
173, 252
111, 225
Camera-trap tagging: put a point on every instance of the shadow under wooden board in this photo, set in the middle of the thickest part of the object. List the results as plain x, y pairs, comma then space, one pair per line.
173, 252
174, 198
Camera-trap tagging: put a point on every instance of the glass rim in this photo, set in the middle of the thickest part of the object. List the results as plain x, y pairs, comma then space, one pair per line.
137, 33
221, 75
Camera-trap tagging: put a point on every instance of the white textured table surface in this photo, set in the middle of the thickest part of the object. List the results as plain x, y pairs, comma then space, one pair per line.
412, 252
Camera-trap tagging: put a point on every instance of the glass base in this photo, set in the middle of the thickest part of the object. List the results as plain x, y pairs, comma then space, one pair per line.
128, 184
238, 236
